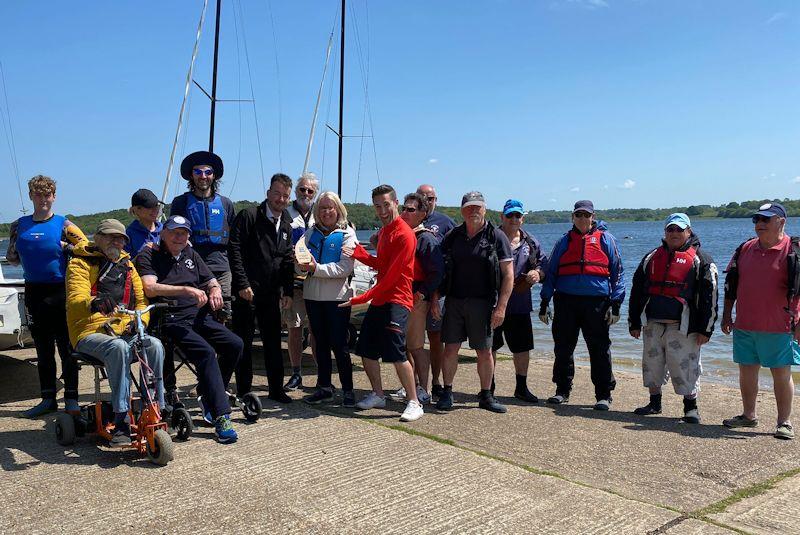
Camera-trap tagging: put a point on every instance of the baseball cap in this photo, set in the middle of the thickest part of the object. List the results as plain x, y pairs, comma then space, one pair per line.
177, 221
473, 198
144, 198
111, 226
678, 218
583, 206
513, 206
771, 209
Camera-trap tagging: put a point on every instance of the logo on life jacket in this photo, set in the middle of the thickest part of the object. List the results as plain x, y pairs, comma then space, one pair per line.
669, 273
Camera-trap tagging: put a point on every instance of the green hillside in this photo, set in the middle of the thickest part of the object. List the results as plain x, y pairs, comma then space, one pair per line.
363, 215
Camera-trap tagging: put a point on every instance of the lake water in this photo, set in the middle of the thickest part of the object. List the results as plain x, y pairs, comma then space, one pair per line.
719, 238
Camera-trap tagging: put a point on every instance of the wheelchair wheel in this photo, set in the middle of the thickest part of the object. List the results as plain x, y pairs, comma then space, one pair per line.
251, 407
164, 450
65, 429
182, 424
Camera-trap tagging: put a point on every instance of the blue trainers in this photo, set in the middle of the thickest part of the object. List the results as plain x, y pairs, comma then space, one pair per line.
224, 430
206, 412
44, 406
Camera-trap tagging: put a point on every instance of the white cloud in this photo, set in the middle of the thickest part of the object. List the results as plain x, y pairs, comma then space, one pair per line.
575, 189
780, 15
586, 4
796, 180
433, 160
628, 184
605, 186
553, 200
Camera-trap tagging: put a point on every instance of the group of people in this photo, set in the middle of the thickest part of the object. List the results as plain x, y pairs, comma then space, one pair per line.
223, 273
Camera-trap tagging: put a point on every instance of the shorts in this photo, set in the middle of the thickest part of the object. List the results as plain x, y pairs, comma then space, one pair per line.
770, 350
467, 319
415, 333
434, 325
518, 331
295, 316
383, 333
668, 353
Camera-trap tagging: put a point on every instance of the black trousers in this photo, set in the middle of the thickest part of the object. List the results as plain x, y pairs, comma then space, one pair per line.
586, 314
267, 312
329, 324
200, 340
47, 307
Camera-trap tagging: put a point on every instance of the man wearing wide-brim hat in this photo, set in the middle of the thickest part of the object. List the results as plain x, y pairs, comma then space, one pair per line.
210, 214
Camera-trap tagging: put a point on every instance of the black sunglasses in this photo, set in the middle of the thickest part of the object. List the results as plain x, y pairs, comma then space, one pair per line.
582, 214
306, 190
514, 215
408, 209
674, 228
761, 219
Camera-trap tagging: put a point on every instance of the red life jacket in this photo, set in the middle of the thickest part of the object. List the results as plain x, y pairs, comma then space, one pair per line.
668, 273
584, 255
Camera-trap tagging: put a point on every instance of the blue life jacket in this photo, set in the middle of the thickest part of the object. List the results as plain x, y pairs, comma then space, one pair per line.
208, 219
325, 249
39, 247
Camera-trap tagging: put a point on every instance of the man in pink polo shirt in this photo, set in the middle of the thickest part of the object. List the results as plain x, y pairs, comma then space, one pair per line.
767, 312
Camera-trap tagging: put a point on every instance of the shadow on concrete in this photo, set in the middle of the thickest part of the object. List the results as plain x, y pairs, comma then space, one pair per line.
19, 379
653, 423
39, 446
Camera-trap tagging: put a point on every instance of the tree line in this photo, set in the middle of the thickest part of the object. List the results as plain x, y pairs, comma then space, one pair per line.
362, 216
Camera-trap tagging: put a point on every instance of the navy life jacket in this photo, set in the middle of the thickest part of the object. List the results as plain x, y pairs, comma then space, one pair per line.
325, 249
208, 219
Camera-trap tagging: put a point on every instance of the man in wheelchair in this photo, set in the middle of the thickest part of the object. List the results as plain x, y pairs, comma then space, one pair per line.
100, 277
174, 271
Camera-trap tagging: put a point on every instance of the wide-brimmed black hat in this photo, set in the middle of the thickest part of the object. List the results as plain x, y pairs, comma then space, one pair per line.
201, 157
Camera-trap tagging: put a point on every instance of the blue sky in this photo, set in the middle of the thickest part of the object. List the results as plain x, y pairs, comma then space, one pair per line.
631, 103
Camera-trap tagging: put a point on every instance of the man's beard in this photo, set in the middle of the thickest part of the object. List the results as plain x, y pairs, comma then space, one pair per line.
305, 204
113, 253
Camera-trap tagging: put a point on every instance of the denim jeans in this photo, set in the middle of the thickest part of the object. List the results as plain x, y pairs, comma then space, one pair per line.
117, 354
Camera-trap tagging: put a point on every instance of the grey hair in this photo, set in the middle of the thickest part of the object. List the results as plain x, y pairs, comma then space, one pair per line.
341, 210
309, 177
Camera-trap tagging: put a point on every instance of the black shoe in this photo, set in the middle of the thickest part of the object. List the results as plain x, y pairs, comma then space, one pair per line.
121, 436
491, 404
445, 402
526, 395
280, 397
294, 382
348, 399
320, 396
436, 391
648, 409
558, 399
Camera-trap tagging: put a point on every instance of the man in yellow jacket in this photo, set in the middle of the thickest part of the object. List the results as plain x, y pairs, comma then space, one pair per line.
100, 277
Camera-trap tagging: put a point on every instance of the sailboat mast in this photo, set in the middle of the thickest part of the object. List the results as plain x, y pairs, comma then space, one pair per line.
341, 99
214, 80
316, 107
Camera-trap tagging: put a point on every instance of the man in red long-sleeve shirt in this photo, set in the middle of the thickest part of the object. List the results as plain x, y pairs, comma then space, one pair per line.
384, 327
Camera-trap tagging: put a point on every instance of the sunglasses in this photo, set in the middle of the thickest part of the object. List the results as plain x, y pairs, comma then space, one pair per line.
408, 209
202, 172
514, 215
432, 198
309, 191
582, 214
761, 219
674, 228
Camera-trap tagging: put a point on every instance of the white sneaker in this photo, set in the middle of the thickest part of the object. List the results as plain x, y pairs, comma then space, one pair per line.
413, 412
400, 395
422, 396
371, 401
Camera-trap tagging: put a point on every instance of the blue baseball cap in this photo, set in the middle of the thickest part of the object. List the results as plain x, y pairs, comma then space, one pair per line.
771, 209
177, 221
513, 206
583, 206
678, 218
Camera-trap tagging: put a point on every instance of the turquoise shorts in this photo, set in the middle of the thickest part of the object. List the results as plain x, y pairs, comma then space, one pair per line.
770, 350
